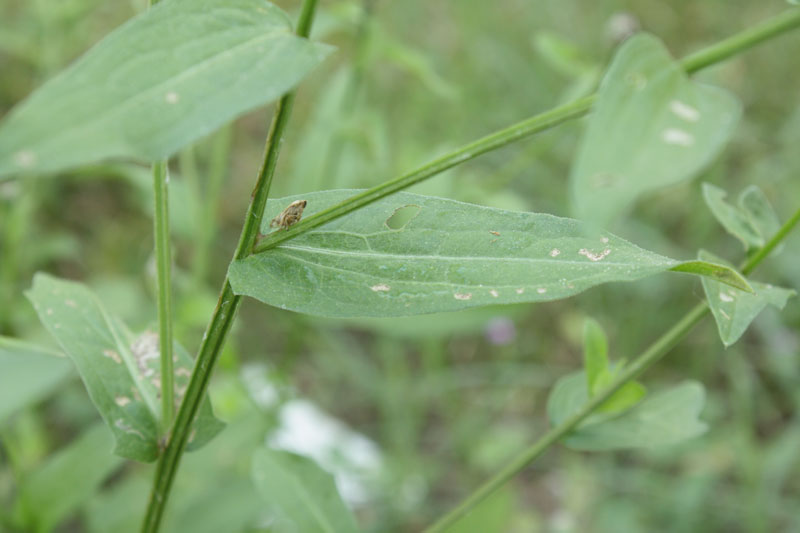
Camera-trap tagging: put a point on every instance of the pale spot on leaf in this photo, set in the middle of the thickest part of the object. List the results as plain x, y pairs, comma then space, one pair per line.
725, 297
555, 252
494, 293
122, 401
678, 137
594, 256
462, 296
541, 290
684, 111
25, 158
114, 356
381, 287
71, 303
172, 97
520, 290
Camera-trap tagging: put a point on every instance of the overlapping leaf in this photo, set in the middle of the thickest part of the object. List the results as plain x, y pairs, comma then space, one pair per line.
449, 256
651, 127
733, 309
27, 374
663, 418
753, 221
121, 372
166, 78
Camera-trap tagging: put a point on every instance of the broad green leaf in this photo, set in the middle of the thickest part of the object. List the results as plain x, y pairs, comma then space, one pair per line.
651, 127
121, 372
733, 309
28, 373
667, 417
450, 256
595, 353
67, 479
166, 78
301, 492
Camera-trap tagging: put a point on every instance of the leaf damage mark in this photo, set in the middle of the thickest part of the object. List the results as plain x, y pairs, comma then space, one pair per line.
462, 296
380, 287
401, 216
594, 256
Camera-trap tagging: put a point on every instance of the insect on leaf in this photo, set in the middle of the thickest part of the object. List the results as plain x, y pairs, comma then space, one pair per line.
448, 256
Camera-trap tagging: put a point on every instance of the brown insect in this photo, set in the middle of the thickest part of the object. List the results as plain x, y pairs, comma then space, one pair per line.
290, 215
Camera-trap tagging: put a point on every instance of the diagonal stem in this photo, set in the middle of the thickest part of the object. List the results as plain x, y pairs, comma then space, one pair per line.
225, 311
768, 29
645, 360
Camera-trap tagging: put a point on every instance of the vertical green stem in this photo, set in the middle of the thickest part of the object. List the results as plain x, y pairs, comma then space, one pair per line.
164, 285
163, 271
225, 311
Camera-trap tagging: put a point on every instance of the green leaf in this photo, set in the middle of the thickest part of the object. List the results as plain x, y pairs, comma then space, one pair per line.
595, 354
28, 373
600, 373
732, 218
716, 271
450, 256
650, 128
121, 373
663, 418
166, 78
760, 213
733, 309
67, 479
301, 492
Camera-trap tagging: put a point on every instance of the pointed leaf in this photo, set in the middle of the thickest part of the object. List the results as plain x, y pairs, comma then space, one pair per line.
733, 309
716, 271
121, 373
166, 78
28, 373
760, 212
301, 492
663, 418
595, 353
651, 127
731, 217
450, 256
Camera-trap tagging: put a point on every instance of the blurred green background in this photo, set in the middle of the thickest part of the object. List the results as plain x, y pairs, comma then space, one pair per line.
445, 400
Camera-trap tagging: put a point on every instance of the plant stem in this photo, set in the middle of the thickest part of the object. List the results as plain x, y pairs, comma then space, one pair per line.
645, 360
743, 40
226, 308
163, 281
575, 109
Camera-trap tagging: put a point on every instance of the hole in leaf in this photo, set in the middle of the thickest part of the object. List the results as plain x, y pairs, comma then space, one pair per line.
402, 216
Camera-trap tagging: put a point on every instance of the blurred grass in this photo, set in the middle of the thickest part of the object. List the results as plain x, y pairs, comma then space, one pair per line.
447, 407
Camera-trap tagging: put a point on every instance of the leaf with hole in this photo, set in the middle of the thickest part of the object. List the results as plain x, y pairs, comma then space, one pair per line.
651, 127
164, 79
300, 492
28, 373
447, 256
733, 309
663, 418
121, 372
